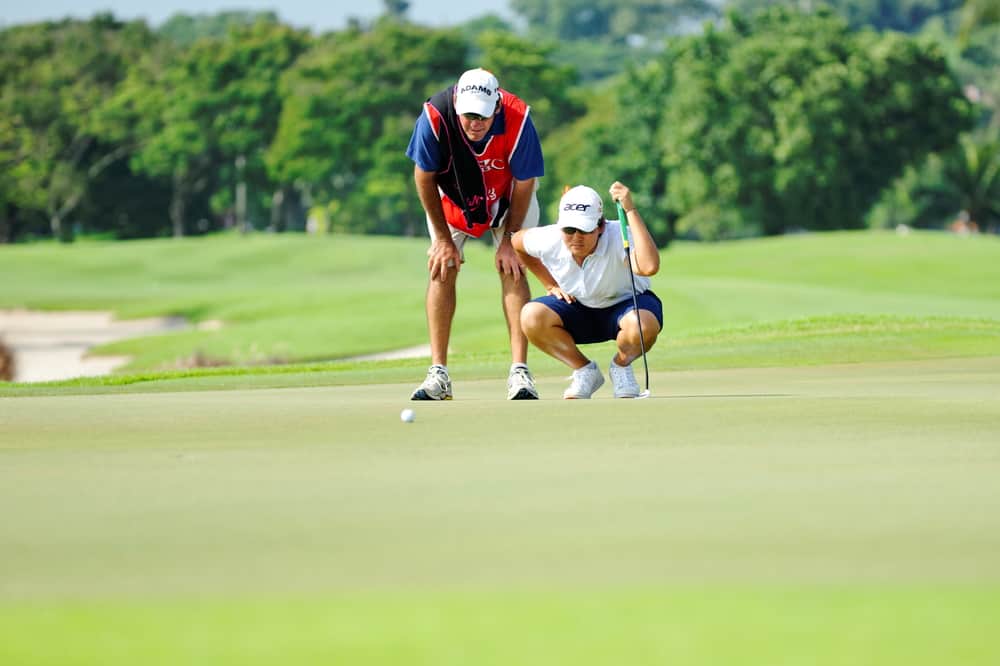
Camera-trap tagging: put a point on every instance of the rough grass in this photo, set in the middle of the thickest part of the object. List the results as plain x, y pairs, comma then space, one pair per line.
295, 299
805, 341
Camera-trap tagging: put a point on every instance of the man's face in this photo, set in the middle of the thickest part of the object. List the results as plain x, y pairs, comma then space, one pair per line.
475, 126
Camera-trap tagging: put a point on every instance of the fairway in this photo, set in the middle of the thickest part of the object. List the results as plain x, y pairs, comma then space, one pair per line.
792, 509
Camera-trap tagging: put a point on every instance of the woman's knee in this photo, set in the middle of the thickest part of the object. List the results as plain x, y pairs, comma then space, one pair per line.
650, 327
534, 317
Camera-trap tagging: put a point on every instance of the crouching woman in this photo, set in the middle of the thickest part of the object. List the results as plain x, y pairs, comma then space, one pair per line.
581, 262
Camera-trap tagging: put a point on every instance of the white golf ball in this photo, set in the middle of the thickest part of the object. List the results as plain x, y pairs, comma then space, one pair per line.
407, 416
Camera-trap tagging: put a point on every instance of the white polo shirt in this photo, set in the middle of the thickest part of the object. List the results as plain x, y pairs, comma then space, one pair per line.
602, 281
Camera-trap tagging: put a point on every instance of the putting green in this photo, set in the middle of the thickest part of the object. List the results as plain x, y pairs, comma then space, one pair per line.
837, 514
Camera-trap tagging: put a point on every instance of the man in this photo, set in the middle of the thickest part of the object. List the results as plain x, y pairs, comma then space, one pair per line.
581, 262
476, 156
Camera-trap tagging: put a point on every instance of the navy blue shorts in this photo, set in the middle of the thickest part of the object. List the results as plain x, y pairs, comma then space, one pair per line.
589, 325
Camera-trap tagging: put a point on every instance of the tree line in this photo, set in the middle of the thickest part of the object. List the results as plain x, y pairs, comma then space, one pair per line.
755, 120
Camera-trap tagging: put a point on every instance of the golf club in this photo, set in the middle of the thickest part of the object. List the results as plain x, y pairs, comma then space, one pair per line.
635, 299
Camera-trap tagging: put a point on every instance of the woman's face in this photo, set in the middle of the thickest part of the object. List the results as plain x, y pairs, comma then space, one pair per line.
581, 243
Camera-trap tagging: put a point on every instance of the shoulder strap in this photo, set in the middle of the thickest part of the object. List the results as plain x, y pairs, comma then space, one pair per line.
462, 179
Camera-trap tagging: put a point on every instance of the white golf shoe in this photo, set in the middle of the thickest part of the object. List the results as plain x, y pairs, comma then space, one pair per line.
623, 381
521, 385
436, 386
586, 380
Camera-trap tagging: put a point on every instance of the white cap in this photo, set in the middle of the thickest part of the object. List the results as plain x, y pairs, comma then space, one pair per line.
581, 208
477, 92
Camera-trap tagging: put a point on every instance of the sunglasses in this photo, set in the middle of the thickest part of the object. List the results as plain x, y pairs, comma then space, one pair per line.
475, 116
571, 231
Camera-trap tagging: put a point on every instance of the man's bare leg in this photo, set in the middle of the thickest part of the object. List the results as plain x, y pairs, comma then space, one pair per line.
440, 306
515, 295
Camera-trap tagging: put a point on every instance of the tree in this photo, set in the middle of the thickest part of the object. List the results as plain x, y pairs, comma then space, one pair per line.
600, 39
387, 191
395, 8
976, 62
203, 118
781, 121
126, 204
978, 14
54, 76
350, 104
967, 185
525, 68
815, 120
615, 20
186, 29
902, 15
960, 184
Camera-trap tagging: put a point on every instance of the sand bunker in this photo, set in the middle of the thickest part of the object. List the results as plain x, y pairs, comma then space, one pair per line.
54, 345
49, 346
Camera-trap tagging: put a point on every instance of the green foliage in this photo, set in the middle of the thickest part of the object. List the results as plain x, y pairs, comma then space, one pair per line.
614, 141
487, 23
599, 39
388, 186
126, 204
575, 154
759, 124
901, 15
971, 178
896, 101
395, 8
53, 79
596, 61
962, 184
207, 115
975, 59
615, 20
780, 121
958, 184
186, 29
350, 104
977, 14
709, 222
525, 68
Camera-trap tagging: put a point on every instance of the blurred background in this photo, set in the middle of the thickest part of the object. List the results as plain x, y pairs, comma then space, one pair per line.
728, 119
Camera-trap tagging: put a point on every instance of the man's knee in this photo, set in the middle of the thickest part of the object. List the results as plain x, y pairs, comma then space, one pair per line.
518, 286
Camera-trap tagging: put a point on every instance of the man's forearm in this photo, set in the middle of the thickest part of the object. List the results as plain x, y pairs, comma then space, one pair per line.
520, 201
430, 199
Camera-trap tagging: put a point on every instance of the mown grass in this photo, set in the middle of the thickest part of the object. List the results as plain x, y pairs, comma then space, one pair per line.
807, 341
815, 514
747, 625
297, 305
812, 481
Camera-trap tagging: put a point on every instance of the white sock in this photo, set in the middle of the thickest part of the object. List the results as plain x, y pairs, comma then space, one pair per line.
515, 366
